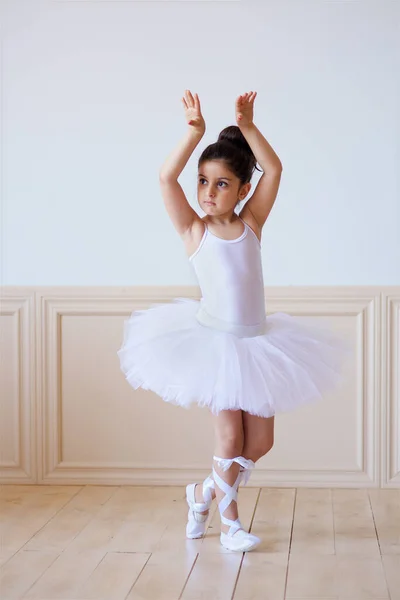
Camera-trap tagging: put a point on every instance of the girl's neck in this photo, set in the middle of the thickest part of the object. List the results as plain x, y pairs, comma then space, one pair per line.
222, 220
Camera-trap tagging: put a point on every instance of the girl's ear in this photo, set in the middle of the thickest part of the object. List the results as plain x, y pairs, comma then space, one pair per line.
244, 190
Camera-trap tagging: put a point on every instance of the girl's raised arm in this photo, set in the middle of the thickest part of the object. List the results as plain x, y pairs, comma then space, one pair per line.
261, 202
181, 213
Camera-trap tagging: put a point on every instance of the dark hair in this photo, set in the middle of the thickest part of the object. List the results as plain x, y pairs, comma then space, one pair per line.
233, 148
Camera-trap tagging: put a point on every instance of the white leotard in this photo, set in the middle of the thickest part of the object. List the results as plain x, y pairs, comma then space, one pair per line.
229, 273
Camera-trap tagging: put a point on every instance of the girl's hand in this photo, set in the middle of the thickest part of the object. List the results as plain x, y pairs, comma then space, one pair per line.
193, 114
244, 109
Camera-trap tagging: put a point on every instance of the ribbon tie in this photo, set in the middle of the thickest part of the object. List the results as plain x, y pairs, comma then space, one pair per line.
246, 463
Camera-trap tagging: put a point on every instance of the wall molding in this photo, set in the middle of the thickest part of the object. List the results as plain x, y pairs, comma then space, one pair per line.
390, 368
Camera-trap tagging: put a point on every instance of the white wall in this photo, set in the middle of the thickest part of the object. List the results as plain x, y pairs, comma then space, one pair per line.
91, 107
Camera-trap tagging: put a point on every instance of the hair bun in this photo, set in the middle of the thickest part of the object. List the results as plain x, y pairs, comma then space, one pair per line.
233, 135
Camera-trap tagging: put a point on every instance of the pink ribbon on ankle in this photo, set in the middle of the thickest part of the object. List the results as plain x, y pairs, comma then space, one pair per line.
246, 463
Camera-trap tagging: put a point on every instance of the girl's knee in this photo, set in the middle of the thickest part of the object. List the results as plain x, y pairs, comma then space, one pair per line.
256, 449
229, 434
230, 443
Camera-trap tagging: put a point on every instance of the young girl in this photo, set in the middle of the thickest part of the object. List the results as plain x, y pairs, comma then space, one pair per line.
223, 352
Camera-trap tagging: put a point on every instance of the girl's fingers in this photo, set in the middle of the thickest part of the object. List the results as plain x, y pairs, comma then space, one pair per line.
242, 99
187, 98
191, 100
184, 103
197, 102
248, 96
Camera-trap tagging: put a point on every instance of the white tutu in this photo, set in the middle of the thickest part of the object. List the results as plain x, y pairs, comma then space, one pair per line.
166, 350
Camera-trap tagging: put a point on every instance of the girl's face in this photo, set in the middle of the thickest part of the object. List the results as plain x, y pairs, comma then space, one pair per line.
218, 189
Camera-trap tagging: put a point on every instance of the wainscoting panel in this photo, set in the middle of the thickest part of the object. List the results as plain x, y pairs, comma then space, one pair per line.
68, 416
18, 398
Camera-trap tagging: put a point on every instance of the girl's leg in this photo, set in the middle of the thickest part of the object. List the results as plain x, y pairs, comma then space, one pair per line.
258, 436
232, 428
228, 425
229, 438
229, 435
228, 460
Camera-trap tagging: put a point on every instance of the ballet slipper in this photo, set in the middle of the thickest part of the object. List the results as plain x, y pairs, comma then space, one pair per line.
196, 524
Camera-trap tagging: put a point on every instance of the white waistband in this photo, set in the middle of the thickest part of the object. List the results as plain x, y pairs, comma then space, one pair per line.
239, 330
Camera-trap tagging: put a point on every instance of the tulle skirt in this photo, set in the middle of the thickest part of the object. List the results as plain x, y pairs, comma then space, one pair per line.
166, 350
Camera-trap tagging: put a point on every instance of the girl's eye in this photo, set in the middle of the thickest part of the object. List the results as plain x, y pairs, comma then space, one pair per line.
202, 179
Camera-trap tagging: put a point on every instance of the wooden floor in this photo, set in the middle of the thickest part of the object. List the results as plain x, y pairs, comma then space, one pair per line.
125, 542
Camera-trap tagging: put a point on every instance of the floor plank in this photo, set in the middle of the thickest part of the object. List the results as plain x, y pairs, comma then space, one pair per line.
213, 576
354, 523
33, 511
262, 575
274, 518
386, 509
22, 571
162, 577
391, 566
313, 527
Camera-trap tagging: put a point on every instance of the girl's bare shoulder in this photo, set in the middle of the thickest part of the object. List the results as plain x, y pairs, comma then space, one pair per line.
247, 216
